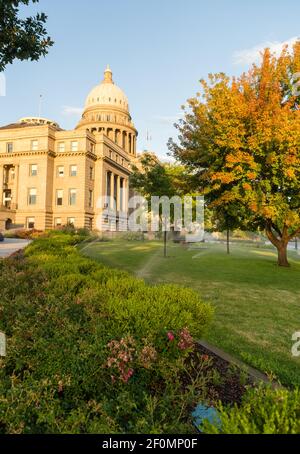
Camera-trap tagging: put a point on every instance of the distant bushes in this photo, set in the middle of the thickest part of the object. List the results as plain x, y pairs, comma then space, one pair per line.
92, 349
24, 234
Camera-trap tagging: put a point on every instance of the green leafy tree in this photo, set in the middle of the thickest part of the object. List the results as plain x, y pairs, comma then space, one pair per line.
22, 39
152, 179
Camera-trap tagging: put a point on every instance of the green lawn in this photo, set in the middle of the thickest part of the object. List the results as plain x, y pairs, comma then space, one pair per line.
257, 304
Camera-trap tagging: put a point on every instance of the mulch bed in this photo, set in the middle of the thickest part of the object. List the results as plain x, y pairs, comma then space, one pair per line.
232, 383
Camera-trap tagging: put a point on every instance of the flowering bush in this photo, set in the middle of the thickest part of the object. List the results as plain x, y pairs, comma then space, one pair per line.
126, 356
88, 349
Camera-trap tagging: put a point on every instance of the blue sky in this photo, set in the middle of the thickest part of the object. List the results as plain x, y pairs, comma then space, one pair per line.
158, 50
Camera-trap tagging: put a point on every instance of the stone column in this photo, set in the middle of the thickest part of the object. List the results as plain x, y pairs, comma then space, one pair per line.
16, 186
118, 192
112, 190
125, 196
1, 185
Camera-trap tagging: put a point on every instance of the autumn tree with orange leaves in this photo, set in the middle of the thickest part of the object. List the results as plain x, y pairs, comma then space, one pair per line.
241, 136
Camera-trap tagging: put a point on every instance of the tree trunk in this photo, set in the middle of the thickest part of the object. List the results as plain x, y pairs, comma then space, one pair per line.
281, 242
165, 244
227, 240
282, 255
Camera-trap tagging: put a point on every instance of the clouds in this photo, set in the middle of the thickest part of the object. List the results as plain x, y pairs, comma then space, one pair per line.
253, 55
72, 111
168, 119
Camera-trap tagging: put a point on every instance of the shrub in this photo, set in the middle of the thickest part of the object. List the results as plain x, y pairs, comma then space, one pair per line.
263, 411
25, 234
92, 349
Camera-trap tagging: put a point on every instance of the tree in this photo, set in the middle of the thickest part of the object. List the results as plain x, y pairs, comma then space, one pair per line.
152, 179
241, 136
225, 219
21, 39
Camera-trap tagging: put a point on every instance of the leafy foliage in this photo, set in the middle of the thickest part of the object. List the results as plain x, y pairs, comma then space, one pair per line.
242, 139
264, 411
88, 346
21, 39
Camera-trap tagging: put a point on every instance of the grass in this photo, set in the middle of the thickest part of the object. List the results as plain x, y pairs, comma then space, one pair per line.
257, 304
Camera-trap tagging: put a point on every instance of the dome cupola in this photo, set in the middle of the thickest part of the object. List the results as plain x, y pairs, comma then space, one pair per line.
106, 111
107, 94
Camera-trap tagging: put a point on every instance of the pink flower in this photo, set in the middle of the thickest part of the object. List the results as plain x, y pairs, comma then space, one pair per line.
171, 336
205, 357
127, 375
186, 341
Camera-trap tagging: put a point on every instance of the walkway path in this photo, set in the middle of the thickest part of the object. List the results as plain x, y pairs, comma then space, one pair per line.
11, 245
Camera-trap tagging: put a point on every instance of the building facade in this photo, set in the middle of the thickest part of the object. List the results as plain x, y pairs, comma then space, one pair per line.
50, 177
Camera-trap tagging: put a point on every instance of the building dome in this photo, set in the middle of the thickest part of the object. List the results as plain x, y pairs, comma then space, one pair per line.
106, 112
107, 94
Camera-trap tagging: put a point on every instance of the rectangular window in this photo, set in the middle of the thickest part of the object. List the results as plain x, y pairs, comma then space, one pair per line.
92, 147
71, 221
59, 197
33, 169
58, 222
74, 146
34, 145
30, 223
61, 147
32, 196
73, 171
91, 199
72, 197
60, 171
91, 173
9, 147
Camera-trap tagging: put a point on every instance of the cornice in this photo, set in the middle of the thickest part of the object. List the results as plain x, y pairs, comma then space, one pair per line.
53, 154
27, 153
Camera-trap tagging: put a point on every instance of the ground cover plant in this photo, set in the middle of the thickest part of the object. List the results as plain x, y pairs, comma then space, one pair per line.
94, 350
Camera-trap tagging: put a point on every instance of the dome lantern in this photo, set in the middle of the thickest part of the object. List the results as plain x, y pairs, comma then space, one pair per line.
108, 76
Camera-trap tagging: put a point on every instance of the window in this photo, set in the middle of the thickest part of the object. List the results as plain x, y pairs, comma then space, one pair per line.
92, 148
74, 146
9, 147
71, 221
72, 197
59, 197
33, 168
60, 171
90, 198
61, 147
34, 145
58, 222
73, 171
91, 173
91, 223
32, 196
30, 223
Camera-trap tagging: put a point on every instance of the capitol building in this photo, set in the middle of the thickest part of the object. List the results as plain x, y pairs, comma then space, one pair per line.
50, 177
